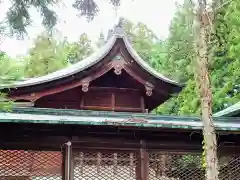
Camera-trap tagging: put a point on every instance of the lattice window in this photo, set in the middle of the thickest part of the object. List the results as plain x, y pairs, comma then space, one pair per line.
100, 166
34, 165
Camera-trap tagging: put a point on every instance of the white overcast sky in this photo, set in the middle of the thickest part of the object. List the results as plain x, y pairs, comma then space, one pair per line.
156, 14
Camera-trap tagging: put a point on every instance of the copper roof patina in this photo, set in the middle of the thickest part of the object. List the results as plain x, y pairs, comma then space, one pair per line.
83, 117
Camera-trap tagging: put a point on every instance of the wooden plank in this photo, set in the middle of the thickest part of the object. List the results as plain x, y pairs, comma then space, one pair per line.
143, 104
112, 89
109, 108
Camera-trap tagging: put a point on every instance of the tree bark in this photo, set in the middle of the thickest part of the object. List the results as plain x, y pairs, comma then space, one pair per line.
203, 32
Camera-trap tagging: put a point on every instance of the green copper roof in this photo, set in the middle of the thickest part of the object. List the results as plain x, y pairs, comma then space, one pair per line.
53, 116
230, 111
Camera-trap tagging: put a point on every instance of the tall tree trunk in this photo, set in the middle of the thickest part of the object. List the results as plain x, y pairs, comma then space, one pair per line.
203, 32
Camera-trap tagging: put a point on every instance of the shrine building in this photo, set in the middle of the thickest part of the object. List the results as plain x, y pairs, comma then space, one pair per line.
92, 120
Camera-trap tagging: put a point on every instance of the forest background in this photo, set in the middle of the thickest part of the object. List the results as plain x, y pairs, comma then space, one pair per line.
171, 57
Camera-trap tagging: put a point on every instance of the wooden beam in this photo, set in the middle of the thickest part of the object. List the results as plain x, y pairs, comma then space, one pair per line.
110, 108
112, 89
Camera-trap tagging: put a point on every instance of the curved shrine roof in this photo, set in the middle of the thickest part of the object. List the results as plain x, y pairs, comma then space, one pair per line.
94, 59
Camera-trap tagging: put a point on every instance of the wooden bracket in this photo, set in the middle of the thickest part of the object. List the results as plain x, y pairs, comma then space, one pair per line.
118, 66
85, 86
149, 89
118, 69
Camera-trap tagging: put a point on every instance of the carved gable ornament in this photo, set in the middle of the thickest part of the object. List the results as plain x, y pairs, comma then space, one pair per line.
118, 64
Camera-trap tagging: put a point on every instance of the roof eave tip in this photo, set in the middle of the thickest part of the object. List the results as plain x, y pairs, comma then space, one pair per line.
178, 88
182, 85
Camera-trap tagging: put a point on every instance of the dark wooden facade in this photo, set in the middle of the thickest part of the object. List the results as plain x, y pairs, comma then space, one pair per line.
99, 96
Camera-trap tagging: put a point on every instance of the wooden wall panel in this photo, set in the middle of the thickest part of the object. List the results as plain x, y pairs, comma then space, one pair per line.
57, 104
128, 99
96, 98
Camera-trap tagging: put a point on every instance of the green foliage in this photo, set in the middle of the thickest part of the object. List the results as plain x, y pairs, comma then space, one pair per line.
142, 38
80, 49
49, 55
180, 44
177, 61
5, 104
18, 16
10, 70
45, 57
225, 65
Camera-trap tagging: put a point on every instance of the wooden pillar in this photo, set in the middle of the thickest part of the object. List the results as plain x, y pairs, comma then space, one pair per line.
68, 166
143, 104
142, 169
